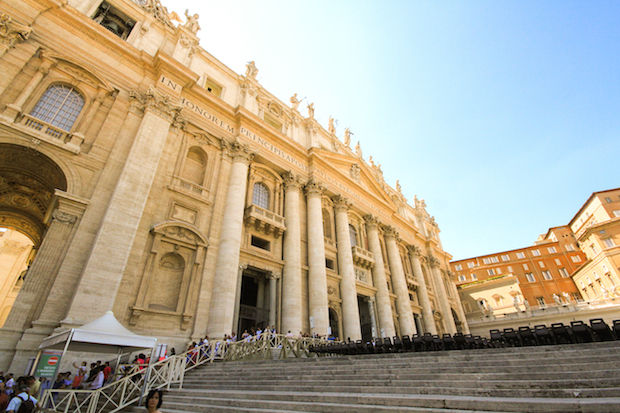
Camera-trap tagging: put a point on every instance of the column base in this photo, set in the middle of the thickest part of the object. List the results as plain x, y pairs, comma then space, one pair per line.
10, 112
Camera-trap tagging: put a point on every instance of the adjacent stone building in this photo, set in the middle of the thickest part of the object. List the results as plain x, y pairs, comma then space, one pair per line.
152, 180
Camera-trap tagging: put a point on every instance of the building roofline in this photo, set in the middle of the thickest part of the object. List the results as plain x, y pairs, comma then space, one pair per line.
502, 252
588, 201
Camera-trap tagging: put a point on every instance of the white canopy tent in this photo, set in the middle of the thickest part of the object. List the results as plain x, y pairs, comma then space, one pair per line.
103, 335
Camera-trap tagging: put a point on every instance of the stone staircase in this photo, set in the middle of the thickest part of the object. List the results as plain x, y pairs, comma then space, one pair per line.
562, 378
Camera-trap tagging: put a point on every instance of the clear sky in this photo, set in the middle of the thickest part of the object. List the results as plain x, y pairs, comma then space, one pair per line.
504, 116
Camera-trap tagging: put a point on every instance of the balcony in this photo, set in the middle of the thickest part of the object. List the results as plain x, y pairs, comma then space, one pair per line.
51, 134
189, 188
264, 221
362, 257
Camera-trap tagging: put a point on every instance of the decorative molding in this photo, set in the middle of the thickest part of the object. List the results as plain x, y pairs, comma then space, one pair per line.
371, 221
291, 181
154, 100
158, 11
239, 151
12, 32
64, 217
341, 203
432, 261
414, 250
355, 172
389, 231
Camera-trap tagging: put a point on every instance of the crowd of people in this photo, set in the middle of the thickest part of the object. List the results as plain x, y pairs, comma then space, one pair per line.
21, 394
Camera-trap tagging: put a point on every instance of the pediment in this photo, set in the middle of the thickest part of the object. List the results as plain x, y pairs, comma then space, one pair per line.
357, 171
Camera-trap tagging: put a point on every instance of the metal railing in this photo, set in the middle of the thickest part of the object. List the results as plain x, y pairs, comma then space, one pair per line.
171, 372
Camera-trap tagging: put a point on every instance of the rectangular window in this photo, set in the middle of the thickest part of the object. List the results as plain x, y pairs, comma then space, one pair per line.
491, 271
213, 87
474, 277
114, 20
505, 257
458, 267
260, 243
609, 242
576, 297
530, 277
570, 247
526, 267
608, 200
510, 268
558, 262
536, 253
541, 301
520, 255
563, 273
329, 263
576, 258
547, 275
462, 278
541, 264
498, 270
486, 260
617, 213
552, 250
470, 265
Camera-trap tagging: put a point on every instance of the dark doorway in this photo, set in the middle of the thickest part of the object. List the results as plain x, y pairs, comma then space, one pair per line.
253, 301
457, 322
365, 320
418, 324
333, 323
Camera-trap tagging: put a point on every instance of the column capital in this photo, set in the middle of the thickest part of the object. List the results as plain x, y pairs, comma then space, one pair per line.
341, 203
371, 221
414, 250
291, 181
314, 187
432, 261
389, 231
12, 32
64, 217
156, 101
239, 152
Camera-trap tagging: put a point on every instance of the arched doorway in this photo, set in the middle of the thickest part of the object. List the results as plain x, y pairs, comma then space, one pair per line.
458, 324
28, 180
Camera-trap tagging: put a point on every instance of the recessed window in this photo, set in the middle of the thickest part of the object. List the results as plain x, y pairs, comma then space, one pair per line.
260, 243
563, 272
474, 277
520, 255
608, 200
506, 257
352, 235
114, 20
260, 195
470, 265
59, 106
491, 271
576, 258
458, 267
547, 275
570, 247
273, 122
541, 264
530, 277
557, 261
609, 242
526, 267
329, 263
552, 250
541, 301
462, 278
536, 253
510, 268
213, 87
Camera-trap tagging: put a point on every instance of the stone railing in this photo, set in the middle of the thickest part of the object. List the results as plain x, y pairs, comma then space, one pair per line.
264, 220
130, 389
51, 133
189, 187
362, 257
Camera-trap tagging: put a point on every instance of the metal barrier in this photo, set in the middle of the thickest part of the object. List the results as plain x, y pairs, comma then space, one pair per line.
171, 372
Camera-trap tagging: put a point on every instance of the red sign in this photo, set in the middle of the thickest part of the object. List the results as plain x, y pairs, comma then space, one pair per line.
52, 361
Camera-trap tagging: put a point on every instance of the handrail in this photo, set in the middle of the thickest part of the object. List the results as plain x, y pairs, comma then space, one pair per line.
171, 371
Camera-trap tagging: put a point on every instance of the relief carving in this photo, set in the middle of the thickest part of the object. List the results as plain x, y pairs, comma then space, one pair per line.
12, 32
157, 101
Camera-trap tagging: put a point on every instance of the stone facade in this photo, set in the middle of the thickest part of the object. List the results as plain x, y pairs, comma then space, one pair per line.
157, 183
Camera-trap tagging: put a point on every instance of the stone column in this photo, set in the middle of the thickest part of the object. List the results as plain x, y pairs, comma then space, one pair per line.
384, 307
442, 296
459, 308
373, 319
291, 274
427, 311
317, 277
273, 302
106, 264
350, 312
226, 275
399, 283
12, 109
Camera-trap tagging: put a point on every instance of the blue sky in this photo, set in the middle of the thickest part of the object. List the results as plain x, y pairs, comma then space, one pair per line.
504, 116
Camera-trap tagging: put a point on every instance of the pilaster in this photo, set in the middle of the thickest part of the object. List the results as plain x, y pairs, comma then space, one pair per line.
427, 311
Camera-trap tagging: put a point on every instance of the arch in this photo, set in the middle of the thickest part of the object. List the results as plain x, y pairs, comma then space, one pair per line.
261, 195
195, 166
60, 105
334, 322
181, 230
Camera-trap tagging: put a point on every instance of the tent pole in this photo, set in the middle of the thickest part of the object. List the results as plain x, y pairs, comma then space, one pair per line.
64, 350
147, 373
34, 365
118, 361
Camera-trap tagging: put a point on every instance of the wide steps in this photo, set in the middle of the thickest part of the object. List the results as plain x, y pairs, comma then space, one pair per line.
563, 378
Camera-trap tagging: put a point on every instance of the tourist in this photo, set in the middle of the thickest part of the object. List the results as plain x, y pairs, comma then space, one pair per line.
97, 382
78, 379
10, 382
153, 401
107, 372
23, 396
4, 398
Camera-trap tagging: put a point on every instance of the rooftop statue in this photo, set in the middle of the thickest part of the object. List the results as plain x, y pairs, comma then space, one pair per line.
251, 70
192, 22
347, 136
331, 128
311, 110
295, 101
358, 149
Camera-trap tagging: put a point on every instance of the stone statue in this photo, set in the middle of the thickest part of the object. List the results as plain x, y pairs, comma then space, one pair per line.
311, 110
526, 304
398, 187
566, 296
419, 203
358, 149
371, 161
250, 70
330, 127
556, 298
515, 303
604, 291
295, 101
347, 136
192, 22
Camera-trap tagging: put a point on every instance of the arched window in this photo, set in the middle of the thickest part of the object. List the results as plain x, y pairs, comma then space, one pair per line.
260, 195
327, 224
195, 166
59, 106
353, 235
